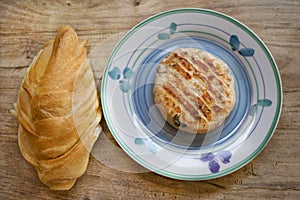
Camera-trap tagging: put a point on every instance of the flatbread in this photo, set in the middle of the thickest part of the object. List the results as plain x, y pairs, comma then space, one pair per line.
194, 90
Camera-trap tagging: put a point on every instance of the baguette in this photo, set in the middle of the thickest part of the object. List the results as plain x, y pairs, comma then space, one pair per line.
58, 111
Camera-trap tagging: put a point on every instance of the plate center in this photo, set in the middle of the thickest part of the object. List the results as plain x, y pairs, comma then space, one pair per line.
149, 117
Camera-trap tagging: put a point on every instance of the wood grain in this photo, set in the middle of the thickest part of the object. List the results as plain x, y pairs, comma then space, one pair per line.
26, 25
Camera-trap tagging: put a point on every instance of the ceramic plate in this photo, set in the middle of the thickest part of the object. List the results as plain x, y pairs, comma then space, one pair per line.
139, 128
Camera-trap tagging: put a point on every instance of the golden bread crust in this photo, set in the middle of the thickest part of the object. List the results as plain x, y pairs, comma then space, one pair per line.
58, 111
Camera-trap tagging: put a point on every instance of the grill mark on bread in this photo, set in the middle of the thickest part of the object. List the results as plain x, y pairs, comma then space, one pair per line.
205, 69
177, 67
216, 69
212, 76
199, 103
187, 90
197, 73
219, 74
200, 64
175, 94
197, 83
193, 98
215, 91
204, 109
203, 100
215, 74
217, 108
183, 62
185, 74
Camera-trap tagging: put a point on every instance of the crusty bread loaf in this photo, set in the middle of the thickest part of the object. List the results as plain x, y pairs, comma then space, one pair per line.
58, 111
194, 90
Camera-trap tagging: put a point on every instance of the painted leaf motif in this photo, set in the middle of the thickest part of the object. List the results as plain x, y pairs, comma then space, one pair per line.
247, 52
149, 144
224, 156
124, 85
214, 166
253, 110
127, 73
264, 102
139, 141
115, 73
234, 42
152, 147
163, 36
172, 28
207, 157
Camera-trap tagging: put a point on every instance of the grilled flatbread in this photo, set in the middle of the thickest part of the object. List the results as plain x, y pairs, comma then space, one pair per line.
194, 90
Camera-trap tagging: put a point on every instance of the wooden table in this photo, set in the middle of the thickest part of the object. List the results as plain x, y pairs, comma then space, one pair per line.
26, 25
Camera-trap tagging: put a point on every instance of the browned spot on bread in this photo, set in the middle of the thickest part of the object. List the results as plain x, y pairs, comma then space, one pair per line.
217, 108
204, 109
200, 64
175, 94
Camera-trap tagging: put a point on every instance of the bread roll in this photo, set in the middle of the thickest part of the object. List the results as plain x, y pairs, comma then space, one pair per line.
58, 111
194, 90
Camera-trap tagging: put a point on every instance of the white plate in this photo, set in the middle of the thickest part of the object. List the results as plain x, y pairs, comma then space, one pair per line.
140, 130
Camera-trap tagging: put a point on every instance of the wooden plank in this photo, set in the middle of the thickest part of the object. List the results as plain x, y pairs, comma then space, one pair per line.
26, 25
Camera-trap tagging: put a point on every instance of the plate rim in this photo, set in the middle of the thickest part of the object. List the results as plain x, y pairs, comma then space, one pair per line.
266, 51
